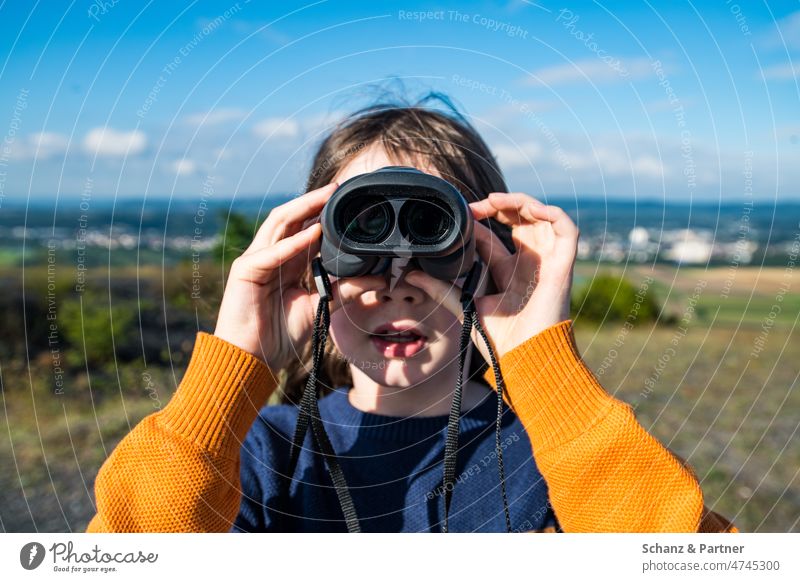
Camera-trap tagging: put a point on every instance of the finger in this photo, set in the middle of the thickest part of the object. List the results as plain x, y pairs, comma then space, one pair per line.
486, 208
482, 209
563, 225
489, 244
493, 252
519, 198
448, 295
287, 219
507, 216
258, 266
519, 210
514, 208
347, 290
309, 221
443, 293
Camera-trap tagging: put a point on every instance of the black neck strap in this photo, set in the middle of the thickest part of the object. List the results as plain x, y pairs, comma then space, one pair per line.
471, 320
309, 408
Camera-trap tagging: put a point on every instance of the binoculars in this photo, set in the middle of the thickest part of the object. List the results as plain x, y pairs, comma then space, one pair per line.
397, 212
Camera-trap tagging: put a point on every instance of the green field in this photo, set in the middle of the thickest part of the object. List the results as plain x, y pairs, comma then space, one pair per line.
732, 415
733, 418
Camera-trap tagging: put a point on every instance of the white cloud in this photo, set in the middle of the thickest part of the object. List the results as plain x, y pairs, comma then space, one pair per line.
322, 122
787, 33
184, 167
505, 113
277, 127
49, 143
615, 162
790, 29
215, 116
41, 146
105, 141
782, 72
612, 161
223, 153
648, 166
596, 70
517, 155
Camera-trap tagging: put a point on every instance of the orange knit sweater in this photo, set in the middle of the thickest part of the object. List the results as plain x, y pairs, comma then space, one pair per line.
178, 469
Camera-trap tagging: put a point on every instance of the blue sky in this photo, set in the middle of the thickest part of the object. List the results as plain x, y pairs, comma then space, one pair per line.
648, 100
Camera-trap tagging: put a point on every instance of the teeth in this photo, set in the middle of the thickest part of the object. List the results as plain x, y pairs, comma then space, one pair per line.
400, 337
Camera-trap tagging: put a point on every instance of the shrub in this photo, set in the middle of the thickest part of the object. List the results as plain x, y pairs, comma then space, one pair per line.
95, 326
609, 297
237, 234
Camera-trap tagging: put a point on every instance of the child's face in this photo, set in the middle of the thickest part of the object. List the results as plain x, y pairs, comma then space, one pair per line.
394, 363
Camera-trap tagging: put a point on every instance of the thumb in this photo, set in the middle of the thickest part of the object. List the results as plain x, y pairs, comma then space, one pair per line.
445, 293
349, 289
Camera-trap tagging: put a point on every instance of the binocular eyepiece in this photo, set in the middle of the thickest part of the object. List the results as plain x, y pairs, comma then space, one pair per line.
397, 212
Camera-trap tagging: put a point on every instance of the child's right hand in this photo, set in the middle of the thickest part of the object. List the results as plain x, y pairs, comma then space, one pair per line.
265, 310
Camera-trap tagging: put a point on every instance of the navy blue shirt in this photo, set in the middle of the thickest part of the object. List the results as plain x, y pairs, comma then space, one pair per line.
393, 468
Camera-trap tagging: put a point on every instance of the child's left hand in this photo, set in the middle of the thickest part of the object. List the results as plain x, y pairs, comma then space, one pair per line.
534, 283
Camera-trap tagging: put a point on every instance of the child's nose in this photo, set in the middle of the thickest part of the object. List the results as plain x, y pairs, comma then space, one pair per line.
401, 291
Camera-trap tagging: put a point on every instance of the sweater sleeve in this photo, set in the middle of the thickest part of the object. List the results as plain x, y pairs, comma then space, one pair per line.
604, 471
178, 469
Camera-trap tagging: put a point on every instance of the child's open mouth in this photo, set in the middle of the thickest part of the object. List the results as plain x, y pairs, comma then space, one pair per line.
397, 341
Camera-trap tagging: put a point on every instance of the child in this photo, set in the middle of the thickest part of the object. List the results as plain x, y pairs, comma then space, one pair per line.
576, 459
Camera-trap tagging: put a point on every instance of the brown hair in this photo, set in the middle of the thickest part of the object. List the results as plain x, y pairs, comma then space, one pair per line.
407, 132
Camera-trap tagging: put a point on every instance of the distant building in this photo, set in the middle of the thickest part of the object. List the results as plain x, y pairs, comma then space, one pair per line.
584, 249
739, 252
612, 250
642, 249
639, 237
688, 246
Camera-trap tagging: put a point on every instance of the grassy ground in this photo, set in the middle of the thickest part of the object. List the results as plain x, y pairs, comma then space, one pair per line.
727, 398
734, 419
732, 415
55, 445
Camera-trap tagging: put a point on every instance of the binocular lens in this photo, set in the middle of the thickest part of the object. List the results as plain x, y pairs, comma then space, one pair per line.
367, 219
426, 222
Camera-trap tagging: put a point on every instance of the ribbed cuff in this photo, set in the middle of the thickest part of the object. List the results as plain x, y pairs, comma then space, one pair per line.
220, 395
552, 391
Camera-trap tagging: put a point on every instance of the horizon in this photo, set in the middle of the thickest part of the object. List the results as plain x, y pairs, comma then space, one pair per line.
280, 196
